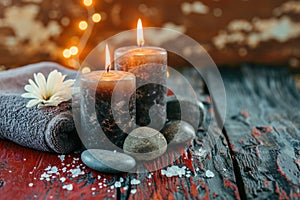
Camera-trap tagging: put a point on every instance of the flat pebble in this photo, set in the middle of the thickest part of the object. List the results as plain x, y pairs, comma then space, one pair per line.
145, 143
107, 161
191, 111
178, 132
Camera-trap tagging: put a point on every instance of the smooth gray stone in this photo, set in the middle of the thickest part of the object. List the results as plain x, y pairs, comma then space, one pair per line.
191, 111
145, 143
107, 161
178, 132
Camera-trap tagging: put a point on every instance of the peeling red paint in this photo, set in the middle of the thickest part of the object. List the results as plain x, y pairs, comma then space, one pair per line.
245, 113
281, 193
214, 195
227, 184
281, 172
267, 183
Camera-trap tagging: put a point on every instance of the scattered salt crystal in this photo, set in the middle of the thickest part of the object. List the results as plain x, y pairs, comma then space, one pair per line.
9, 171
135, 182
62, 179
47, 179
93, 188
149, 175
93, 193
117, 184
51, 197
62, 157
149, 184
99, 183
174, 171
68, 187
112, 187
125, 187
76, 172
30, 184
188, 175
30, 172
34, 178
121, 180
48, 168
197, 169
113, 196
133, 191
108, 190
64, 169
24, 159
53, 170
100, 187
209, 174
99, 177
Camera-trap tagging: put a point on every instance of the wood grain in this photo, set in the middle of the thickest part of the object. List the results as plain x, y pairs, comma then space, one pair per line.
263, 127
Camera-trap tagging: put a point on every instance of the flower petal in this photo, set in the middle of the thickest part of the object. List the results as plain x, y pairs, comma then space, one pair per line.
32, 103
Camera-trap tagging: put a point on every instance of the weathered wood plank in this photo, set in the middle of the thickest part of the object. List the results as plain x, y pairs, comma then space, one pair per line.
263, 126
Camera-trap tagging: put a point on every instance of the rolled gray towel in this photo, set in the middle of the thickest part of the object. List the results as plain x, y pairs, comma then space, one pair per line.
50, 129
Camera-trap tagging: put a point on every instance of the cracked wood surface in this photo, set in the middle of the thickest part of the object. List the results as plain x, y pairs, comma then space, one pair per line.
260, 161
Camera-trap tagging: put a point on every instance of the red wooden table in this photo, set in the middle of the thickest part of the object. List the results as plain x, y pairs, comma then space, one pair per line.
256, 155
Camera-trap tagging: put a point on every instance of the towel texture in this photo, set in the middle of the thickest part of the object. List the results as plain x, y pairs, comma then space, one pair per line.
50, 129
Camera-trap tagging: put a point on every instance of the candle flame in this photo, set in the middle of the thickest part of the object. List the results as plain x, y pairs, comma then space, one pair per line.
107, 59
140, 35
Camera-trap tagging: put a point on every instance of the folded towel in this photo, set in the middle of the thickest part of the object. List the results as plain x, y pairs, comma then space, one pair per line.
50, 129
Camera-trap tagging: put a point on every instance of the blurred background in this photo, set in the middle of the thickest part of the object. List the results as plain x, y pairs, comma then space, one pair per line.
232, 31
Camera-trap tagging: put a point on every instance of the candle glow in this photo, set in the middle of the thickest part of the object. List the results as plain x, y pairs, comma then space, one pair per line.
107, 59
140, 35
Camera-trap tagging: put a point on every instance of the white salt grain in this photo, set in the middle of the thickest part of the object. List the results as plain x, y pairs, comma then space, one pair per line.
209, 174
133, 191
93, 188
68, 187
117, 184
135, 182
174, 171
62, 157
62, 179
48, 168
30, 184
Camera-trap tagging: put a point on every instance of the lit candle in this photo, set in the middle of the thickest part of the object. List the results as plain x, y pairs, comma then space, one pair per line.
149, 65
111, 94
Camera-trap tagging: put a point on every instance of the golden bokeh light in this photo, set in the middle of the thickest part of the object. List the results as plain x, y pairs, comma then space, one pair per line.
67, 53
74, 50
83, 25
96, 17
87, 2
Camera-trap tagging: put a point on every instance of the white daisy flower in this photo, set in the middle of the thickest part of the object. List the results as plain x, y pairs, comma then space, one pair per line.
50, 92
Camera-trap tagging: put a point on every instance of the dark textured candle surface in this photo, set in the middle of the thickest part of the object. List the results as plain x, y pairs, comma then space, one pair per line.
107, 108
149, 65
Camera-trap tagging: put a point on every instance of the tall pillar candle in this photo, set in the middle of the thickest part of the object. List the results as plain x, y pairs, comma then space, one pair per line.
149, 65
108, 100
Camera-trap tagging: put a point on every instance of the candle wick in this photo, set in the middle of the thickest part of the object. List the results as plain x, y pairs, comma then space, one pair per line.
107, 69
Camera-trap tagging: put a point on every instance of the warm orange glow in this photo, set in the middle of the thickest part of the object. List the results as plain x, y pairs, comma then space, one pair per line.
67, 53
96, 17
83, 25
107, 59
74, 50
87, 2
140, 35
